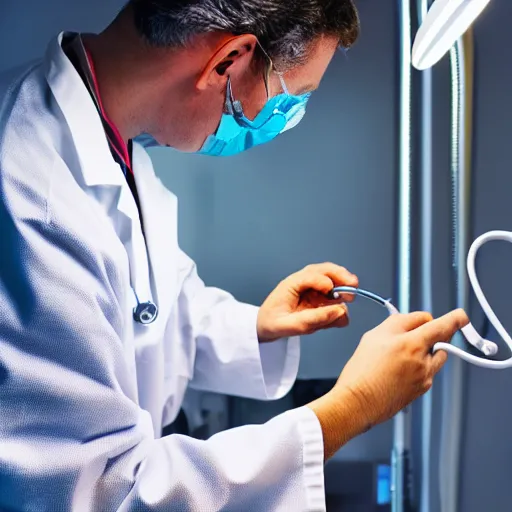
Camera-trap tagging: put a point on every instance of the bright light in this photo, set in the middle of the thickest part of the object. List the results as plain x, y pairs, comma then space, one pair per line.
446, 21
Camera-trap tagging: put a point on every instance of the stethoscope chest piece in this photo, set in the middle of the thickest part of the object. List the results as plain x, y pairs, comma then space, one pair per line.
145, 313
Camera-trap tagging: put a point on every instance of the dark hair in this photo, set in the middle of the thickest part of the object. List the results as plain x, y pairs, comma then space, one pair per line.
283, 27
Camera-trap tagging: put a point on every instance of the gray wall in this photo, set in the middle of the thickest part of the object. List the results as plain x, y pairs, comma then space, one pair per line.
325, 191
27, 25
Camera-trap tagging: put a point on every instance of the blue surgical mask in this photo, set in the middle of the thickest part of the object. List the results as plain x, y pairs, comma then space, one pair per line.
236, 133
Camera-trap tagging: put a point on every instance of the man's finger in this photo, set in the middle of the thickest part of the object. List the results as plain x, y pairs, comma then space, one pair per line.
442, 329
438, 361
303, 281
339, 275
408, 322
310, 320
343, 321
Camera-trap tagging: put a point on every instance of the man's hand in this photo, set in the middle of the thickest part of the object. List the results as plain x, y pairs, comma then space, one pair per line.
299, 304
392, 366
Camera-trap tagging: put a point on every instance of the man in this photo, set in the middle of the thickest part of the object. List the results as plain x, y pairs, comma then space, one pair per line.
103, 319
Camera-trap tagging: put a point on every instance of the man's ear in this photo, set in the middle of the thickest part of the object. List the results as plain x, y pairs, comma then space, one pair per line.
232, 57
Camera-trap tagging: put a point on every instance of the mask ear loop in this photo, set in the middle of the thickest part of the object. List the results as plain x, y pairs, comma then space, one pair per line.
283, 83
234, 107
269, 70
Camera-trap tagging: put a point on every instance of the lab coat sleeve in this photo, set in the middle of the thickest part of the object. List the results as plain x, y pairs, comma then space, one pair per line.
229, 359
72, 437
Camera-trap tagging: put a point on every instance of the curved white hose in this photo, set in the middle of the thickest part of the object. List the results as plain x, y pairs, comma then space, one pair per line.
486, 346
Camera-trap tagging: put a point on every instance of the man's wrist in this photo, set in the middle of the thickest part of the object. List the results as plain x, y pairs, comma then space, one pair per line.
264, 334
341, 418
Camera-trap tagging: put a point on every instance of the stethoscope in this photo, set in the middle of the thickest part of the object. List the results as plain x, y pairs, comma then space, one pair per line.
144, 313
488, 348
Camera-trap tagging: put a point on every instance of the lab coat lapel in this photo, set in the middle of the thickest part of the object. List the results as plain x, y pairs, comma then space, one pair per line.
98, 171
97, 167
159, 214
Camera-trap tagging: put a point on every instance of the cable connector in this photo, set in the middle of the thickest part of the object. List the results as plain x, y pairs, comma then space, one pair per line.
488, 348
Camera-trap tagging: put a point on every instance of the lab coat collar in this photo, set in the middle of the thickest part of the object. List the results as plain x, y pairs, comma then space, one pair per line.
88, 135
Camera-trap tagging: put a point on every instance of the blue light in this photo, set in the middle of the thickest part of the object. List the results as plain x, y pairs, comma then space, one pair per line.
383, 484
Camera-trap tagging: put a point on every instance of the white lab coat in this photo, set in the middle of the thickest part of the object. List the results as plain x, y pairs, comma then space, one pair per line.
84, 390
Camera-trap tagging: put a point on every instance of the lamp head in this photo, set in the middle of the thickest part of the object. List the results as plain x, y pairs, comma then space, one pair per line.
446, 21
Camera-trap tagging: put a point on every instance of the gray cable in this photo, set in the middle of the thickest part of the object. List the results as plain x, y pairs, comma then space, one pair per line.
386, 303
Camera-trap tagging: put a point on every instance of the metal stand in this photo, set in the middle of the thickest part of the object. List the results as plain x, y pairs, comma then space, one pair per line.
401, 484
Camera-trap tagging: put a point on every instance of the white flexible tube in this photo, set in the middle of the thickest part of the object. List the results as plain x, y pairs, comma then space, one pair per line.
392, 310
470, 332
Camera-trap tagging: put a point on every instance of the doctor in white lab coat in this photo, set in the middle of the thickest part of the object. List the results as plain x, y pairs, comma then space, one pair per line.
104, 322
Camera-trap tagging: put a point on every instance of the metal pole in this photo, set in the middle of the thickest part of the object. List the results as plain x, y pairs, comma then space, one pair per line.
453, 379
426, 260
400, 458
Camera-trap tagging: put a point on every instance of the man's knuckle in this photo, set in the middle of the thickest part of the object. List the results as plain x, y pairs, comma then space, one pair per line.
403, 344
304, 327
427, 384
